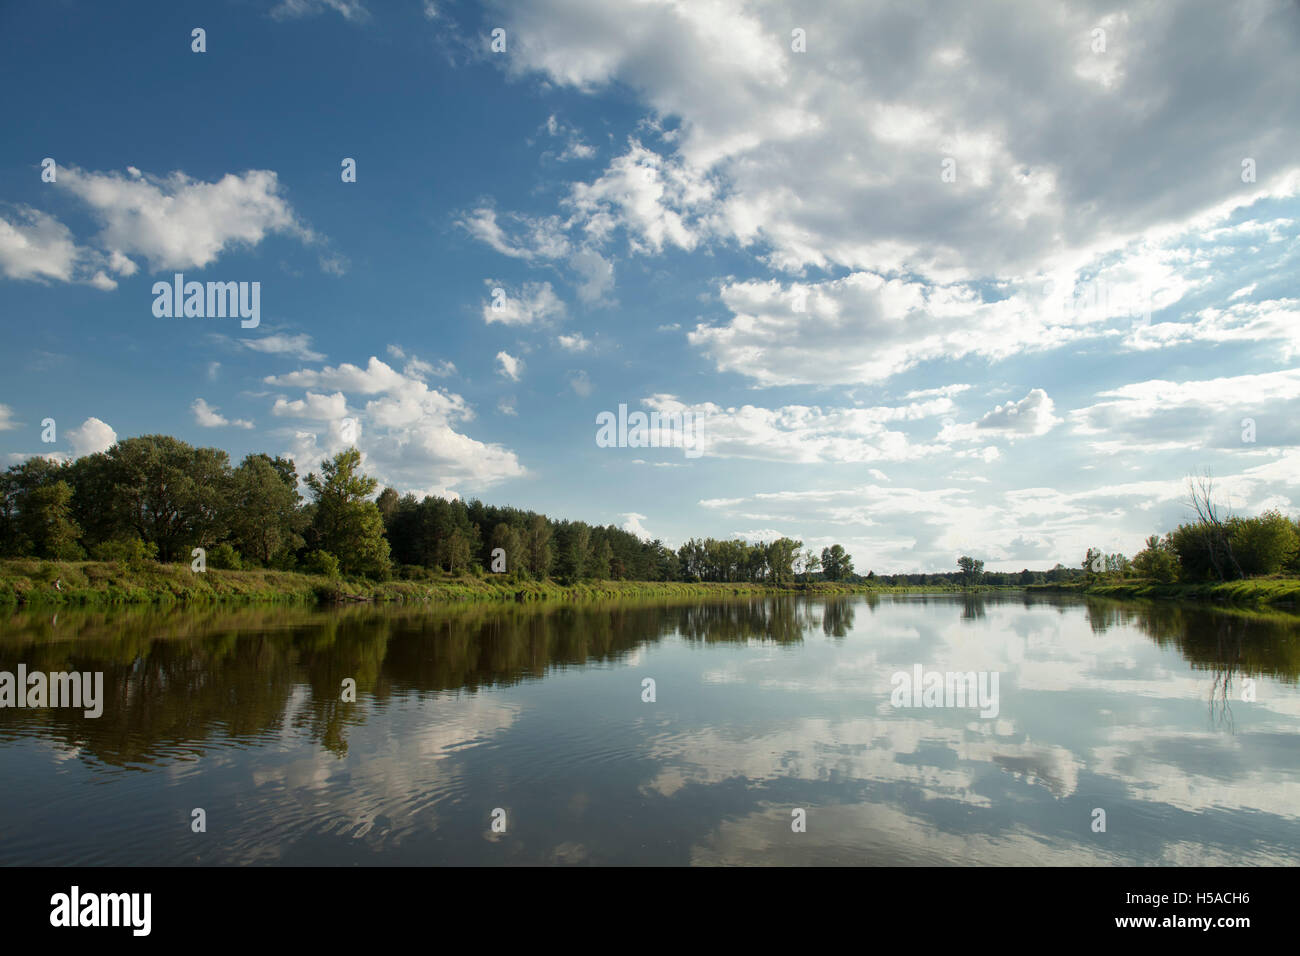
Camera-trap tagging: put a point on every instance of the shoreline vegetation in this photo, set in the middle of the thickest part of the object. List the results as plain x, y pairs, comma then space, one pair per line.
156, 520
30, 582
1280, 592
37, 583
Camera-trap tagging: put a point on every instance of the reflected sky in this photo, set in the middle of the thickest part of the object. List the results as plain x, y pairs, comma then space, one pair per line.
763, 705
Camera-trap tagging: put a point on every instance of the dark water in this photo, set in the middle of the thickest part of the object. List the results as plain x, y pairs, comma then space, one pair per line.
762, 707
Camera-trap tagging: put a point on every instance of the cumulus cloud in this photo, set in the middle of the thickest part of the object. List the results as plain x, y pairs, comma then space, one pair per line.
576, 342
176, 222
416, 367
210, 417
7, 422
34, 245
410, 434
632, 522
803, 433
93, 436
1195, 414
534, 301
833, 157
1030, 417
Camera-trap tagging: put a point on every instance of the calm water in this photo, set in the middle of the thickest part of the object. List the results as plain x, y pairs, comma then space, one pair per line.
762, 706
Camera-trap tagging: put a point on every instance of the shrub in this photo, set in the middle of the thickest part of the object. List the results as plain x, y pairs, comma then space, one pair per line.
130, 551
322, 563
225, 557
1263, 545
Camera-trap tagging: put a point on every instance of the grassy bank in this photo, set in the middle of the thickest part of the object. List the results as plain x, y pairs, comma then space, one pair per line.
1254, 592
30, 582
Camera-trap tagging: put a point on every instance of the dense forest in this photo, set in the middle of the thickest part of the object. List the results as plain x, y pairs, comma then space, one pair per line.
158, 498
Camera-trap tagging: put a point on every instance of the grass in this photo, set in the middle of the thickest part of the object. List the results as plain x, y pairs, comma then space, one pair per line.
1256, 592
31, 582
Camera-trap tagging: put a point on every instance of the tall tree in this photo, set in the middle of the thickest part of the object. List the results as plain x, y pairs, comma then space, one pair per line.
346, 523
972, 570
837, 565
265, 518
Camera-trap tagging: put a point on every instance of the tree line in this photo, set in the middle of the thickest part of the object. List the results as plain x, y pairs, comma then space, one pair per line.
158, 498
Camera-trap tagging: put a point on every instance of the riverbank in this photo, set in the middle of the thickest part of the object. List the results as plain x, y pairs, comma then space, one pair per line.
1255, 592
30, 582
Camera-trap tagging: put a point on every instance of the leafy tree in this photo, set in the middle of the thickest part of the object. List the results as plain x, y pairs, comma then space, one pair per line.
1263, 545
780, 559
972, 570
36, 511
837, 565
1158, 560
539, 546
169, 492
506, 538
346, 523
45, 521
265, 518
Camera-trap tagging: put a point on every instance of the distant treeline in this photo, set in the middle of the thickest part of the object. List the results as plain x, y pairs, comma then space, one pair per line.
157, 498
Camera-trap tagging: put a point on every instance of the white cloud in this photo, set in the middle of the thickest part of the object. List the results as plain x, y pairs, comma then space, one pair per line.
313, 405
805, 433
580, 382
352, 10
34, 245
531, 239
409, 434
832, 158
176, 222
632, 522
533, 302
597, 274
418, 368
1032, 416
7, 422
576, 342
295, 346
510, 366
210, 417
93, 436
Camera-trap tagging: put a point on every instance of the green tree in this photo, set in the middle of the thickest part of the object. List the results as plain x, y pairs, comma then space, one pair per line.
837, 565
346, 523
1263, 545
780, 556
36, 516
972, 570
169, 492
1158, 560
539, 547
265, 517
45, 520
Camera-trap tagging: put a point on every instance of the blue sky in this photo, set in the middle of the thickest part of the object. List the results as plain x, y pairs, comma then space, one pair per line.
939, 283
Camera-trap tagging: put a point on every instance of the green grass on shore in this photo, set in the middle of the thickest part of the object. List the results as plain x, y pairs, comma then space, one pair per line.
1274, 591
31, 582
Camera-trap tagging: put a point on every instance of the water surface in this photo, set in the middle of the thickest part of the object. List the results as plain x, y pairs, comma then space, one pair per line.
762, 707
